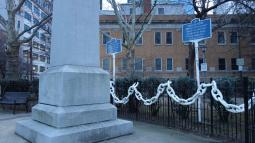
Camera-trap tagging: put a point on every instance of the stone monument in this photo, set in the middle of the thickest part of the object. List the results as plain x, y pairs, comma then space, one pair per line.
74, 98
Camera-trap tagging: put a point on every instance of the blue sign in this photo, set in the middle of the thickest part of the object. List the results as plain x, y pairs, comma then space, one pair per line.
113, 46
197, 30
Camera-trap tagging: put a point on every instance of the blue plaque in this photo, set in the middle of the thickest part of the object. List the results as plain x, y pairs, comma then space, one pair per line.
197, 30
113, 46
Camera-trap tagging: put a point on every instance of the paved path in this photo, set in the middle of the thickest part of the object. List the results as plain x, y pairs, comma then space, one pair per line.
144, 133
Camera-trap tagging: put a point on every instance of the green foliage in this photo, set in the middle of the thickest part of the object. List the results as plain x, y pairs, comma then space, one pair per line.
184, 87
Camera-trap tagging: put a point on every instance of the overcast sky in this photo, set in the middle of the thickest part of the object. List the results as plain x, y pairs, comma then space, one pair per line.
106, 5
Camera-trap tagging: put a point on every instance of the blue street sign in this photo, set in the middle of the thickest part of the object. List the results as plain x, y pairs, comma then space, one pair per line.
197, 30
113, 46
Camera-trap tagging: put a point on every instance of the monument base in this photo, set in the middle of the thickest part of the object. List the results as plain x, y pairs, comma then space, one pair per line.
37, 132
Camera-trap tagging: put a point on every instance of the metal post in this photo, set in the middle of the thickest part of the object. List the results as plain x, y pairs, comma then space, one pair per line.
113, 68
211, 100
246, 112
198, 79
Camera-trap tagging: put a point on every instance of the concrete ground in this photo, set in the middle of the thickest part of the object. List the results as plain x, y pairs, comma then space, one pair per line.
144, 133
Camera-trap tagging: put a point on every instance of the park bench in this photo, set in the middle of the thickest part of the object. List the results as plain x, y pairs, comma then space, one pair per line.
14, 99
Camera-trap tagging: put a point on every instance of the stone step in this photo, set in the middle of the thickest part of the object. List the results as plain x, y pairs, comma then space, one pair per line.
61, 117
37, 132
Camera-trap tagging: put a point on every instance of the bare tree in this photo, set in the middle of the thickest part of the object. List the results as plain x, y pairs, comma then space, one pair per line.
203, 7
132, 27
14, 38
2, 53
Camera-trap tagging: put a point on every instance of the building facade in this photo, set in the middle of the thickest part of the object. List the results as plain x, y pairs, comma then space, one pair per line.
35, 55
161, 53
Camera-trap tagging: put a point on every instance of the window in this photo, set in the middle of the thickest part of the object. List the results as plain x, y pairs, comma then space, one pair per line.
26, 27
43, 15
106, 37
130, 11
169, 64
161, 11
37, 11
35, 68
200, 62
36, 21
43, 37
138, 64
233, 64
27, 16
253, 63
139, 41
106, 64
124, 64
35, 56
222, 64
157, 38
158, 64
42, 58
28, 4
221, 38
42, 69
37, 34
169, 38
233, 37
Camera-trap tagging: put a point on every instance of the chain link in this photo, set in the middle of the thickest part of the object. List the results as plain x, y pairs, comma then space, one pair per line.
216, 93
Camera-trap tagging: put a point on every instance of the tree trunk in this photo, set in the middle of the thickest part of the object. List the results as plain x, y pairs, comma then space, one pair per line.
131, 62
13, 64
191, 63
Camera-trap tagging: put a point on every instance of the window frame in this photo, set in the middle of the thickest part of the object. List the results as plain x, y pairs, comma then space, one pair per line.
225, 38
155, 64
225, 68
159, 39
172, 40
167, 64
237, 39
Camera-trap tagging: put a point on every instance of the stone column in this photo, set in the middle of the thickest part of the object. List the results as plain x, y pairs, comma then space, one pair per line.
74, 99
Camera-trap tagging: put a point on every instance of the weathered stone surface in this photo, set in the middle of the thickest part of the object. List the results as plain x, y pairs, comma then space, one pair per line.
75, 33
61, 117
74, 85
36, 132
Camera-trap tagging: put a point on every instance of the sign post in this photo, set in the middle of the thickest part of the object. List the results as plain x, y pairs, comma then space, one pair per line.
113, 47
194, 32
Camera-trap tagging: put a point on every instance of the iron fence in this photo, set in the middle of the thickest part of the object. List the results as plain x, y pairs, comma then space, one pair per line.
216, 121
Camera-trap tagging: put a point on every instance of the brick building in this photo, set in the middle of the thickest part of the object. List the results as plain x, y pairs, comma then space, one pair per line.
161, 53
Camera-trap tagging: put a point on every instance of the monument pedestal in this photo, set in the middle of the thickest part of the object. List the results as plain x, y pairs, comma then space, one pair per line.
67, 113
74, 93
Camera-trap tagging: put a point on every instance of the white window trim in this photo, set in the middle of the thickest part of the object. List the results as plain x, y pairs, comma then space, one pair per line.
225, 36
155, 37
155, 65
237, 38
166, 38
172, 64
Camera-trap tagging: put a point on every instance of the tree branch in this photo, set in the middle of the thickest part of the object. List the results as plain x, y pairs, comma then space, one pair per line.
3, 22
19, 6
38, 25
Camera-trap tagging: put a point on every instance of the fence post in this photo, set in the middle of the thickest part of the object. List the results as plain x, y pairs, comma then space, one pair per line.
246, 110
211, 100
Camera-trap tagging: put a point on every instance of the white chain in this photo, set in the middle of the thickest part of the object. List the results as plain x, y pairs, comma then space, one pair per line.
217, 95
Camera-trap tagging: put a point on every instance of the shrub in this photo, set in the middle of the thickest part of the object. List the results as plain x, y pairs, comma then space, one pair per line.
184, 87
226, 86
150, 86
